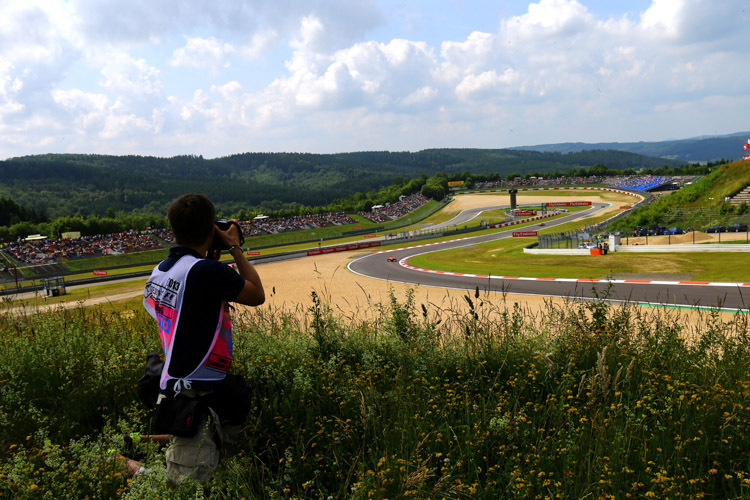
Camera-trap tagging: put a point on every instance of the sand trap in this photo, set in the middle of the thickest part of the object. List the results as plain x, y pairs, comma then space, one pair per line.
476, 200
289, 284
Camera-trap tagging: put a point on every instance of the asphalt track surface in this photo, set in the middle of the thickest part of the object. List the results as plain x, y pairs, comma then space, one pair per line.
679, 294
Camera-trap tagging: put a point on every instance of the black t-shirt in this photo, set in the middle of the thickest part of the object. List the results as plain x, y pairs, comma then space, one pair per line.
208, 283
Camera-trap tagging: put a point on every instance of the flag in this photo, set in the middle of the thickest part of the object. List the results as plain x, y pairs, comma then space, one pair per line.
746, 157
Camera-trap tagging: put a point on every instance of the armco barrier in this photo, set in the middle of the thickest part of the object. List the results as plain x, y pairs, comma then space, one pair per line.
554, 204
710, 247
705, 247
343, 248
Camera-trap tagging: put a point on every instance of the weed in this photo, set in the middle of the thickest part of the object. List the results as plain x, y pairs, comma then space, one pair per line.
477, 399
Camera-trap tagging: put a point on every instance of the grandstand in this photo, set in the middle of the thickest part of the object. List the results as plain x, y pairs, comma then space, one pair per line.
392, 211
44, 252
649, 183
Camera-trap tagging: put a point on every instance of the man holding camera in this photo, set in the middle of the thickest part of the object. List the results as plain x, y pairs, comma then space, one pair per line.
188, 294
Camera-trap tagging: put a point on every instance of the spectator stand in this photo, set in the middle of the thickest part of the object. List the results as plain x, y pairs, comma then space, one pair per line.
392, 211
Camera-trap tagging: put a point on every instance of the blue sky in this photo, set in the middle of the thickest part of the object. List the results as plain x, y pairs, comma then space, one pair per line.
230, 76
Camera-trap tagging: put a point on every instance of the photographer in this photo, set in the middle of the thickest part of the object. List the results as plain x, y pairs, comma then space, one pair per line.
188, 295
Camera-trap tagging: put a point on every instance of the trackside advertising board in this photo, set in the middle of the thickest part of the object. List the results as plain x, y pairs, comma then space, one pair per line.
524, 234
344, 248
569, 204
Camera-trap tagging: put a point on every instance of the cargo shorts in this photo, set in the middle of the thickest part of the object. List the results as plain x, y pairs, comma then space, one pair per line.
196, 457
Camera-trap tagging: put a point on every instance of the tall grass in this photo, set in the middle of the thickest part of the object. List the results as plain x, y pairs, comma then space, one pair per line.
481, 399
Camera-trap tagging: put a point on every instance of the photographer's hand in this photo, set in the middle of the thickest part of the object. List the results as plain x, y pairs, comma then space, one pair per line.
252, 294
230, 237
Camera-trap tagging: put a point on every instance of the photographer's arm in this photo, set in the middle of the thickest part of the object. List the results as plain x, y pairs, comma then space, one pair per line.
252, 294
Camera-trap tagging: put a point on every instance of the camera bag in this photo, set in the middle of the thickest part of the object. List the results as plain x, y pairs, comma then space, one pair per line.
178, 415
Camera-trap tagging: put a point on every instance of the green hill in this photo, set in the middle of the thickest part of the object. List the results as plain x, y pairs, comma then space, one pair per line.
696, 149
698, 204
65, 184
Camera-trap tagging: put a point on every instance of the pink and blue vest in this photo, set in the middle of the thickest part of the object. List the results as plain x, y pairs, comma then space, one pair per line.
162, 298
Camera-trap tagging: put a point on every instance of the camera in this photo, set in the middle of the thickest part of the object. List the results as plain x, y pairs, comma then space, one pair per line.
218, 243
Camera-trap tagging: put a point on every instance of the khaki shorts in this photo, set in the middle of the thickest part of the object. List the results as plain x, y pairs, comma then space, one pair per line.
196, 457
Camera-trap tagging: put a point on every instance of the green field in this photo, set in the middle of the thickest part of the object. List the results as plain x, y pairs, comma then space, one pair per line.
483, 401
506, 258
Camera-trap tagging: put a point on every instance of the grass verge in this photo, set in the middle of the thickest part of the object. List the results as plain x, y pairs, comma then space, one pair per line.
484, 400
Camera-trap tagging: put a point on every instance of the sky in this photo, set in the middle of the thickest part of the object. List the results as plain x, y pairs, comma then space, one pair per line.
186, 77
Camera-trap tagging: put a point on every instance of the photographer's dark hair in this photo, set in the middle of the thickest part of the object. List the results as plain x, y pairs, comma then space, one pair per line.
191, 217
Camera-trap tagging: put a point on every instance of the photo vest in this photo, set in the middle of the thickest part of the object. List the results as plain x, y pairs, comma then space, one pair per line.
163, 298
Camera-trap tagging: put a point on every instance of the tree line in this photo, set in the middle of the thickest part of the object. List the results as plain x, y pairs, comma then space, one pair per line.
70, 184
119, 201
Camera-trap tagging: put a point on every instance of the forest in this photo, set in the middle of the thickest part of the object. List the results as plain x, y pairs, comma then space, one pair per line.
53, 194
71, 184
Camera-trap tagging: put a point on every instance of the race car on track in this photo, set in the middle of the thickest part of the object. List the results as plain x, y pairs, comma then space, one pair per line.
392, 258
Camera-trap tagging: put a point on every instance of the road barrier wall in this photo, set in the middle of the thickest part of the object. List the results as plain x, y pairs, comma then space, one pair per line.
643, 249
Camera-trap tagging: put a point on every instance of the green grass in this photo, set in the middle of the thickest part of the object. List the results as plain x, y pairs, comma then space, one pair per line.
483, 400
105, 291
506, 258
109, 261
697, 205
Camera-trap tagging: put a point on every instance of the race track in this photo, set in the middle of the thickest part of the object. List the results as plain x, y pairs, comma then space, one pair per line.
684, 294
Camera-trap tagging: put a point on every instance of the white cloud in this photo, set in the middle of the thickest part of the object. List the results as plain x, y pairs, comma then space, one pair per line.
88, 110
461, 58
422, 95
551, 17
10, 86
310, 35
292, 75
132, 77
481, 85
663, 16
260, 42
95, 114
203, 53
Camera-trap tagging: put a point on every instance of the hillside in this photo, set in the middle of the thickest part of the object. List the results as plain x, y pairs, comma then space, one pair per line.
696, 205
696, 149
91, 184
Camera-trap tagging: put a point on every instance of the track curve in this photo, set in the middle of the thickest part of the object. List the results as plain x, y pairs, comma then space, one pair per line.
681, 294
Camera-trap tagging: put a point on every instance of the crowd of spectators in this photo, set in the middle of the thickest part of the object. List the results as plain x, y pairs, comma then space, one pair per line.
642, 182
261, 225
540, 181
391, 211
48, 250
632, 182
51, 250
164, 234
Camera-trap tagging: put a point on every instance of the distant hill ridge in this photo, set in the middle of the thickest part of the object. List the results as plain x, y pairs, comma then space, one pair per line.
64, 184
695, 149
